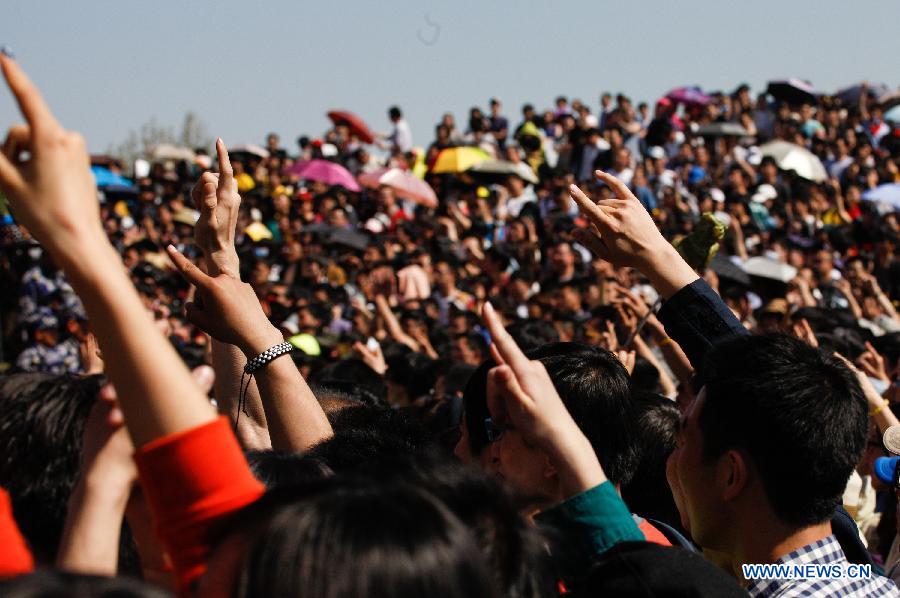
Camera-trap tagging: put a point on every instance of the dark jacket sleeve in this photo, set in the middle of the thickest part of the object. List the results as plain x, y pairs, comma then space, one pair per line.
697, 319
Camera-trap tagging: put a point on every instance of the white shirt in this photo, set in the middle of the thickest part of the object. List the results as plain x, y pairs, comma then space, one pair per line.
401, 136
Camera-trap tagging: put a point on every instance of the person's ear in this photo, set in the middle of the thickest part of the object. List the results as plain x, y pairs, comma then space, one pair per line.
550, 470
733, 474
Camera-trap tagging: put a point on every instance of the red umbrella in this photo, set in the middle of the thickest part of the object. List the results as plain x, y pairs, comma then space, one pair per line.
325, 172
403, 183
354, 123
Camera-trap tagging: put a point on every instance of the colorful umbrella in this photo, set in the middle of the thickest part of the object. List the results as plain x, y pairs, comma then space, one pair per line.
790, 156
325, 172
107, 178
793, 91
852, 93
403, 183
458, 159
691, 96
354, 123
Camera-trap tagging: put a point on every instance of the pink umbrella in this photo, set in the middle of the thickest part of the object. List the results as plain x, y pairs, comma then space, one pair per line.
403, 183
325, 172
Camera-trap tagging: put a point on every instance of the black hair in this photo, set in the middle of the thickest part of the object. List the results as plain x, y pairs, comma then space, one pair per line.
345, 538
515, 550
41, 435
354, 378
276, 469
594, 387
531, 334
58, 584
798, 412
394, 112
648, 493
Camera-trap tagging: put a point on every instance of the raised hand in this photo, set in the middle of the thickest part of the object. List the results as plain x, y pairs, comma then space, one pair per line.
624, 234
521, 394
872, 363
228, 310
216, 197
52, 190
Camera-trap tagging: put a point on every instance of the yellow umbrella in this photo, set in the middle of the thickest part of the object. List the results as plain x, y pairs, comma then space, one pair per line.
459, 159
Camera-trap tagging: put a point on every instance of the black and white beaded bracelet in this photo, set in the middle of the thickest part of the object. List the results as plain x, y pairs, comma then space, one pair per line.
263, 359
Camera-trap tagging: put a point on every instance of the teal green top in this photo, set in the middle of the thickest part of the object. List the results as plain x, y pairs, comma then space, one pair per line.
590, 524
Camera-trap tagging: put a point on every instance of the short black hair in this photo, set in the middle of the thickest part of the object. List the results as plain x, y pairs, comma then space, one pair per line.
798, 412
344, 537
594, 387
648, 493
42, 419
394, 112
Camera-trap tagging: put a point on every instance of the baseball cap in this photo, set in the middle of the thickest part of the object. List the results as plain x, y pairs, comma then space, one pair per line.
764, 193
656, 152
717, 195
885, 468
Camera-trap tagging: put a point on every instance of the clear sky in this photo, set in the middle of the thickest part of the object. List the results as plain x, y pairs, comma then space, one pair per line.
246, 67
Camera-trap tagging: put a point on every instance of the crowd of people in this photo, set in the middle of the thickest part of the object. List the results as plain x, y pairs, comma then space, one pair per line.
633, 352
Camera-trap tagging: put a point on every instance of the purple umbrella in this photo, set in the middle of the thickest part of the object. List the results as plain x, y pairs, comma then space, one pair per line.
325, 172
691, 96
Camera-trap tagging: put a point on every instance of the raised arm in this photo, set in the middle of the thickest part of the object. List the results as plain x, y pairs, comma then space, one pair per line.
216, 197
53, 194
623, 233
229, 311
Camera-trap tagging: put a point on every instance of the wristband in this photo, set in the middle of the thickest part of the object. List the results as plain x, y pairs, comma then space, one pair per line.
264, 358
664, 341
879, 409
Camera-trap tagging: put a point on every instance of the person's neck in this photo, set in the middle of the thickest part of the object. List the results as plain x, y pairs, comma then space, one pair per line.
768, 541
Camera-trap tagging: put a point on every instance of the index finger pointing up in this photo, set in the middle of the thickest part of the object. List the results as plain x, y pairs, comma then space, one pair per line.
225, 171
507, 348
29, 99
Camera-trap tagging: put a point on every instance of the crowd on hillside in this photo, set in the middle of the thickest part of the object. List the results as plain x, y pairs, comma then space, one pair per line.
608, 349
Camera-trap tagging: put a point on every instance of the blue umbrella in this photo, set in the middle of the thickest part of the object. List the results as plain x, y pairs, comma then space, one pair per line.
107, 178
888, 193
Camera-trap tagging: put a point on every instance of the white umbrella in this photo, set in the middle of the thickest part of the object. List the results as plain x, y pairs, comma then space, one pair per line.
768, 268
520, 169
253, 150
167, 151
790, 156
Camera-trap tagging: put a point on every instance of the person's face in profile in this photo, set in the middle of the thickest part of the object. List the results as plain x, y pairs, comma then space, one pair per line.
692, 479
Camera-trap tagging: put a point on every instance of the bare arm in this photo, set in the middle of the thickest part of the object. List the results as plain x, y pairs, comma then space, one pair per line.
54, 196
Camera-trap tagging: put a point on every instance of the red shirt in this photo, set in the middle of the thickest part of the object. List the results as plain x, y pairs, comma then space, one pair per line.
192, 480
15, 558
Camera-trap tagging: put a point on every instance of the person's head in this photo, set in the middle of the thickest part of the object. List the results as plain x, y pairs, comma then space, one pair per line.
50, 584
347, 538
41, 435
648, 493
768, 444
594, 387
394, 114
496, 107
272, 141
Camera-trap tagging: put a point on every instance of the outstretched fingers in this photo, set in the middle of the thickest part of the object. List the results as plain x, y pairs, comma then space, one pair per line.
507, 349
619, 188
187, 269
226, 174
590, 209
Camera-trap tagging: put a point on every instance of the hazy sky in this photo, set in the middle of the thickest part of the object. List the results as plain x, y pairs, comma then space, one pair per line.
248, 67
